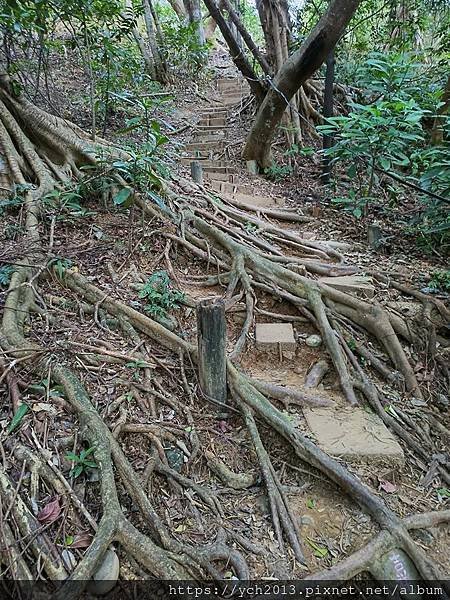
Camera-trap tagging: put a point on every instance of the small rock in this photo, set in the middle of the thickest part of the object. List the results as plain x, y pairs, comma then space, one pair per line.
442, 401
175, 458
69, 560
106, 575
288, 355
307, 520
313, 341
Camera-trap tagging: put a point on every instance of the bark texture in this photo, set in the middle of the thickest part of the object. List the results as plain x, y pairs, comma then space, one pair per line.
295, 71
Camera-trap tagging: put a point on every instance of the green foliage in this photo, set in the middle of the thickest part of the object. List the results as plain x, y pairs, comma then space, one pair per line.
278, 172
6, 272
160, 295
18, 417
61, 265
182, 50
81, 462
389, 132
440, 281
296, 150
66, 204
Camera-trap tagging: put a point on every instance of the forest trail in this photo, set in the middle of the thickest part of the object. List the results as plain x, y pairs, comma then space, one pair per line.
121, 449
284, 348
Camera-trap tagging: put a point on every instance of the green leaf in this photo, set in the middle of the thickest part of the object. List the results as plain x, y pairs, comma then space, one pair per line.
121, 197
69, 540
443, 493
76, 471
385, 163
17, 418
311, 503
351, 171
72, 457
319, 551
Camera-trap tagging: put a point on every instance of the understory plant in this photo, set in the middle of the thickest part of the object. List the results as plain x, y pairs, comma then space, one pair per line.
159, 294
388, 131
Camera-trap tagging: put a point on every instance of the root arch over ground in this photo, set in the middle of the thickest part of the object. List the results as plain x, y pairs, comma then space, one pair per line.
43, 153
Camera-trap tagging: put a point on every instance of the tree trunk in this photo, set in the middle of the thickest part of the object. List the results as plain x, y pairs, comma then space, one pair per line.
247, 37
437, 133
160, 66
194, 14
237, 55
328, 112
295, 71
178, 7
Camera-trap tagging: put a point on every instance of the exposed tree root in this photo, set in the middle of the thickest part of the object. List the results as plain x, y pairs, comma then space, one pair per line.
49, 154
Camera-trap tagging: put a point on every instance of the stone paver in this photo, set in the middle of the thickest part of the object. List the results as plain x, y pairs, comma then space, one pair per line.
353, 434
351, 284
252, 201
272, 336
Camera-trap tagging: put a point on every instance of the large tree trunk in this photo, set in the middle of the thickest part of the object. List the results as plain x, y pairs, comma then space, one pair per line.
194, 13
236, 53
437, 133
246, 37
295, 71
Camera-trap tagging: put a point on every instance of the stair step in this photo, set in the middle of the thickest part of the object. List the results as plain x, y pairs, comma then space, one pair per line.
214, 113
206, 163
220, 177
256, 201
231, 188
351, 284
213, 123
208, 136
200, 146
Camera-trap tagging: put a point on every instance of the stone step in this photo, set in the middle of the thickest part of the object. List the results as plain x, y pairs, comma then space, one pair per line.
227, 81
351, 284
253, 201
353, 434
216, 111
213, 122
231, 100
232, 92
216, 168
204, 146
215, 176
206, 163
230, 188
271, 337
208, 136
199, 155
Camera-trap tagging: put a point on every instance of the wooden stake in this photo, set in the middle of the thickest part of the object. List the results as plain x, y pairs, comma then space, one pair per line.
197, 172
374, 235
211, 336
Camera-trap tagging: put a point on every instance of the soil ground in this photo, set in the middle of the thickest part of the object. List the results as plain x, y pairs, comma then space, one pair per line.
115, 249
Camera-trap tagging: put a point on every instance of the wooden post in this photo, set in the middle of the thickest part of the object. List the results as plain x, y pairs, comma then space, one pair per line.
252, 167
328, 112
374, 235
197, 172
211, 336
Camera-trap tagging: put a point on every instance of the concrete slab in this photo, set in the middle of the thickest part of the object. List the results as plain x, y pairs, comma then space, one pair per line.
193, 146
351, 284
253, 201
206, 163
215, 176
272, 336
353, 434
205, 137
231, 188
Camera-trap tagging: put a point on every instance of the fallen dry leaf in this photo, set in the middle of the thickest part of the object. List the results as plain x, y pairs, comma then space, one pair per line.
50, 512
387, 486
82, 540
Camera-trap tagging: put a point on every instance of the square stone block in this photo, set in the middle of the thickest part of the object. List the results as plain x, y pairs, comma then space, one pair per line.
271, 336
353, 434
